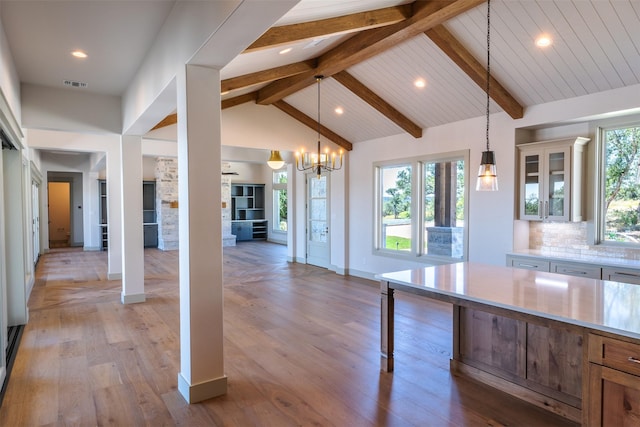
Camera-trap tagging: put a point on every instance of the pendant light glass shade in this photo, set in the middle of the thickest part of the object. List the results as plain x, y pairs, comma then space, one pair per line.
275, 161
487, 176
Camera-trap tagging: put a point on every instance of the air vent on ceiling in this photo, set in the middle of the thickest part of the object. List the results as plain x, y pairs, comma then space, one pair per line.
73, 83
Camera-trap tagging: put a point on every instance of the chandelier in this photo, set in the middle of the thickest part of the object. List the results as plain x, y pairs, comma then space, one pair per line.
319, 162
487, 176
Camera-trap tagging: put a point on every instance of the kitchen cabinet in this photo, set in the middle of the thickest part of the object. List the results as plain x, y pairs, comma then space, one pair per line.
551, 180
576, 269
618, 274
588, 269
538, 359
614, 382
528, 263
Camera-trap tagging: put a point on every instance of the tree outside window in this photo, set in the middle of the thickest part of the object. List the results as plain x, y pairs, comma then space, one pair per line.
396, 202
421, 207
280, 201
621, 199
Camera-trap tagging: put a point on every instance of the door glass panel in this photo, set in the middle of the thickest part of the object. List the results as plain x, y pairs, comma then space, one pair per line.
556, 184
318, 225
318, 231
532, 185
319, 187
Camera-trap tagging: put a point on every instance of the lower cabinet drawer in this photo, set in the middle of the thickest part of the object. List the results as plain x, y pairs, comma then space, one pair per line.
579, 270
620, 355
528, 263
621, 275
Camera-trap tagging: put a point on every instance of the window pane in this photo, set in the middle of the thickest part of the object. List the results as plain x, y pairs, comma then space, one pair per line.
280, 177
280, 210
279, 222
396, 208
622, 192
443, 225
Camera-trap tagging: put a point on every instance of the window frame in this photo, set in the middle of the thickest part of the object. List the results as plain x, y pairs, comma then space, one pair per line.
417, 209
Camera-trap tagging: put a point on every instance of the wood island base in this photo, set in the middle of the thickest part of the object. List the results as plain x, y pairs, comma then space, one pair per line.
581, 373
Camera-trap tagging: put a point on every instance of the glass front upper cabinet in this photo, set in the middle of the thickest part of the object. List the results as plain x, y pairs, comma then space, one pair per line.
551, 180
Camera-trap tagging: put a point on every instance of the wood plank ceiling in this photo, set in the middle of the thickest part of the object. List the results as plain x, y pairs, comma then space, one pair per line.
369, 52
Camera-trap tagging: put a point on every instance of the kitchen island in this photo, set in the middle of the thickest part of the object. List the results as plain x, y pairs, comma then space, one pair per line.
567, 344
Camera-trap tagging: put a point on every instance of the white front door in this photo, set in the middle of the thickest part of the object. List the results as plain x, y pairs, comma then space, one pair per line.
318, 245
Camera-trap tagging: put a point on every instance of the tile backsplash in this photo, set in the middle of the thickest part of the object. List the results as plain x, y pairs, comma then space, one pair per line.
570, 239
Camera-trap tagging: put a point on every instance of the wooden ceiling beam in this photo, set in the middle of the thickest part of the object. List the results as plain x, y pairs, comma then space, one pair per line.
367, 95
339, 25
476, 71
313, 124
266, 76
367, 44
171, 119
241, 99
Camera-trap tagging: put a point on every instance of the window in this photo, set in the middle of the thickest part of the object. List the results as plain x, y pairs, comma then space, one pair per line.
396, 207
444, 208
279, 201
620, 187
421, 207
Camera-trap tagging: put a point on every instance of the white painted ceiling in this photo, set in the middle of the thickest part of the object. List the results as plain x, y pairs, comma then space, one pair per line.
596, 47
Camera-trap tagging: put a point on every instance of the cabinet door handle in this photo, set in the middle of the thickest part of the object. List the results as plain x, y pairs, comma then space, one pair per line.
574, 272
527, 265
633, 360
546, 209
621, 273
540, 210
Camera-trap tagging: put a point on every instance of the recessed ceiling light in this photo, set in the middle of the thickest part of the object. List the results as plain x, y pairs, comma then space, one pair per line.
420, 83
79, 54
284, 51
544, 40
339, 110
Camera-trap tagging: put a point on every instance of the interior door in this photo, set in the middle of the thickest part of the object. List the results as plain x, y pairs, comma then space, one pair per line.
35, 220
59, 214
318, 244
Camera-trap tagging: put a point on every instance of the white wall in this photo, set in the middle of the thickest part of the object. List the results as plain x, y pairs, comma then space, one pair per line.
491, 215
69, 110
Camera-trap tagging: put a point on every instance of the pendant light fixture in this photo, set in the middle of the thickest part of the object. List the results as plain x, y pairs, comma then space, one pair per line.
487, 177
319, 162
275, 160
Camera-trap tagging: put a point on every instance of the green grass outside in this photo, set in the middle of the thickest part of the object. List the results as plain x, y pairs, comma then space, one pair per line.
402, 243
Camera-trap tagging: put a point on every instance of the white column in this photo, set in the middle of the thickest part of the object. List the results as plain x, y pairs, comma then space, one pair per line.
200, 226
132, 229
114, 218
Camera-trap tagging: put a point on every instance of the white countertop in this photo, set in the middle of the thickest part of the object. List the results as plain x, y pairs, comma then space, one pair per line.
596, 260
596, 304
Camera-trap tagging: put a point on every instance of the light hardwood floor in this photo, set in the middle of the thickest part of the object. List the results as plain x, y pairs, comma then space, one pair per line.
301, 349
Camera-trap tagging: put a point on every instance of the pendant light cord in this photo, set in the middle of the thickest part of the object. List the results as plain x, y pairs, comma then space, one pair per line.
488, 64
318, 79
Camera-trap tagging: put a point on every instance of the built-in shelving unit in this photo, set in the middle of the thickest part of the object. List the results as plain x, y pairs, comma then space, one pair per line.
148, 214
248, 220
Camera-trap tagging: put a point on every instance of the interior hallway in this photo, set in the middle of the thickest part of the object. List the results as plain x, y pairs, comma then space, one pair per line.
301, 348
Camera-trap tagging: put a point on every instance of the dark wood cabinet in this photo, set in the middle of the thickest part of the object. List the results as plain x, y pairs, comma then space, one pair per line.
539, 363
614, 382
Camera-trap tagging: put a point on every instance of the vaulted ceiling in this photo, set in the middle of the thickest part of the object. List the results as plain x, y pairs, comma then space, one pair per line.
371, 53
371, 59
